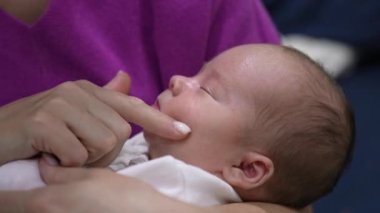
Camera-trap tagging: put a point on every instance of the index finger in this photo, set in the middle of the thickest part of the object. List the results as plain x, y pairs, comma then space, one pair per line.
136, 111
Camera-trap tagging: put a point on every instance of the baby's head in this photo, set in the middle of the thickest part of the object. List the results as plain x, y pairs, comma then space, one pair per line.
264, 118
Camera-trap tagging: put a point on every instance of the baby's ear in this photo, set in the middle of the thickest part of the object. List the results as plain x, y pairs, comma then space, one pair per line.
254, 170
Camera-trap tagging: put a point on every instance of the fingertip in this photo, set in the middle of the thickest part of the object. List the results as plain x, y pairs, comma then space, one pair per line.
176, 131
182, 128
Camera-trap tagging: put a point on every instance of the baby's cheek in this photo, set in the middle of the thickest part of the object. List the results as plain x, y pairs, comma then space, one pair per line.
182, 111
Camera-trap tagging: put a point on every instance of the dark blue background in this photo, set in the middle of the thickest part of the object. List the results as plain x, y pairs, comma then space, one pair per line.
356, 23
359, 188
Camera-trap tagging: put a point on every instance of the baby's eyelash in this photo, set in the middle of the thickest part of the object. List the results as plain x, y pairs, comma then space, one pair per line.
206, 90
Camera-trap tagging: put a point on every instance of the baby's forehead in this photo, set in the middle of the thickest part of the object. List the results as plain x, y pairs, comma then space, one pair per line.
258, 60
264, 71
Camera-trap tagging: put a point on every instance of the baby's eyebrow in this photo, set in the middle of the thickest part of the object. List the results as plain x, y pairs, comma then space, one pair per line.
214, 78
217, 76
210, 73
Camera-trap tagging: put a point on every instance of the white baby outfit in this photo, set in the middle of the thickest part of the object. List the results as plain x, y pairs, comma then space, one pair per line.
168, 175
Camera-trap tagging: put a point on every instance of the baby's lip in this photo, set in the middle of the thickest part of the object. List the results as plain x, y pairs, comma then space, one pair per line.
156, 105
161, 99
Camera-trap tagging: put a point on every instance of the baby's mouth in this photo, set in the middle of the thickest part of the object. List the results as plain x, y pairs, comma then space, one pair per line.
156, 105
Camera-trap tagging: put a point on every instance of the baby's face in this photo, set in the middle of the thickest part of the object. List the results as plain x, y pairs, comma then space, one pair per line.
203, 102
218, 104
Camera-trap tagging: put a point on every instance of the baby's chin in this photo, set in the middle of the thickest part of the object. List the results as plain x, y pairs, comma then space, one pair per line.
149, 137
156, 145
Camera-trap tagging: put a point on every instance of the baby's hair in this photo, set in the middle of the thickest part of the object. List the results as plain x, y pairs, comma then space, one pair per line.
310, 141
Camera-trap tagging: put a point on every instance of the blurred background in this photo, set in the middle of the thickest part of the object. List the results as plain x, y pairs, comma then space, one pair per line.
344, 36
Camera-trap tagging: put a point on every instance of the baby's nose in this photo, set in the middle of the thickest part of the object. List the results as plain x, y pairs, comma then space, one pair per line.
179, 84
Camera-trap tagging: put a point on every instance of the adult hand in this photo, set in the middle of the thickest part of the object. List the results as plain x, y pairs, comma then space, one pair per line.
78, 122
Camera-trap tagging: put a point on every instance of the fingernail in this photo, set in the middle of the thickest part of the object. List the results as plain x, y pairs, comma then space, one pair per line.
50, 159
182, 128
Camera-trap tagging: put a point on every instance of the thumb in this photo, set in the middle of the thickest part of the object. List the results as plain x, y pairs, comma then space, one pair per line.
120, 83
53, 174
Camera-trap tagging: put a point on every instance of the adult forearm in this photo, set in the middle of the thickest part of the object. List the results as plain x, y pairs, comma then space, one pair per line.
73, 189
253, 208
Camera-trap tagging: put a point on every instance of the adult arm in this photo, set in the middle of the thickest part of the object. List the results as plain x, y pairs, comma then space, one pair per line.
100, 190
79, 122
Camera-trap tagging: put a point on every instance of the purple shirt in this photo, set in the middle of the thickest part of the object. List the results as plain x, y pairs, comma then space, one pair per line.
151, 40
